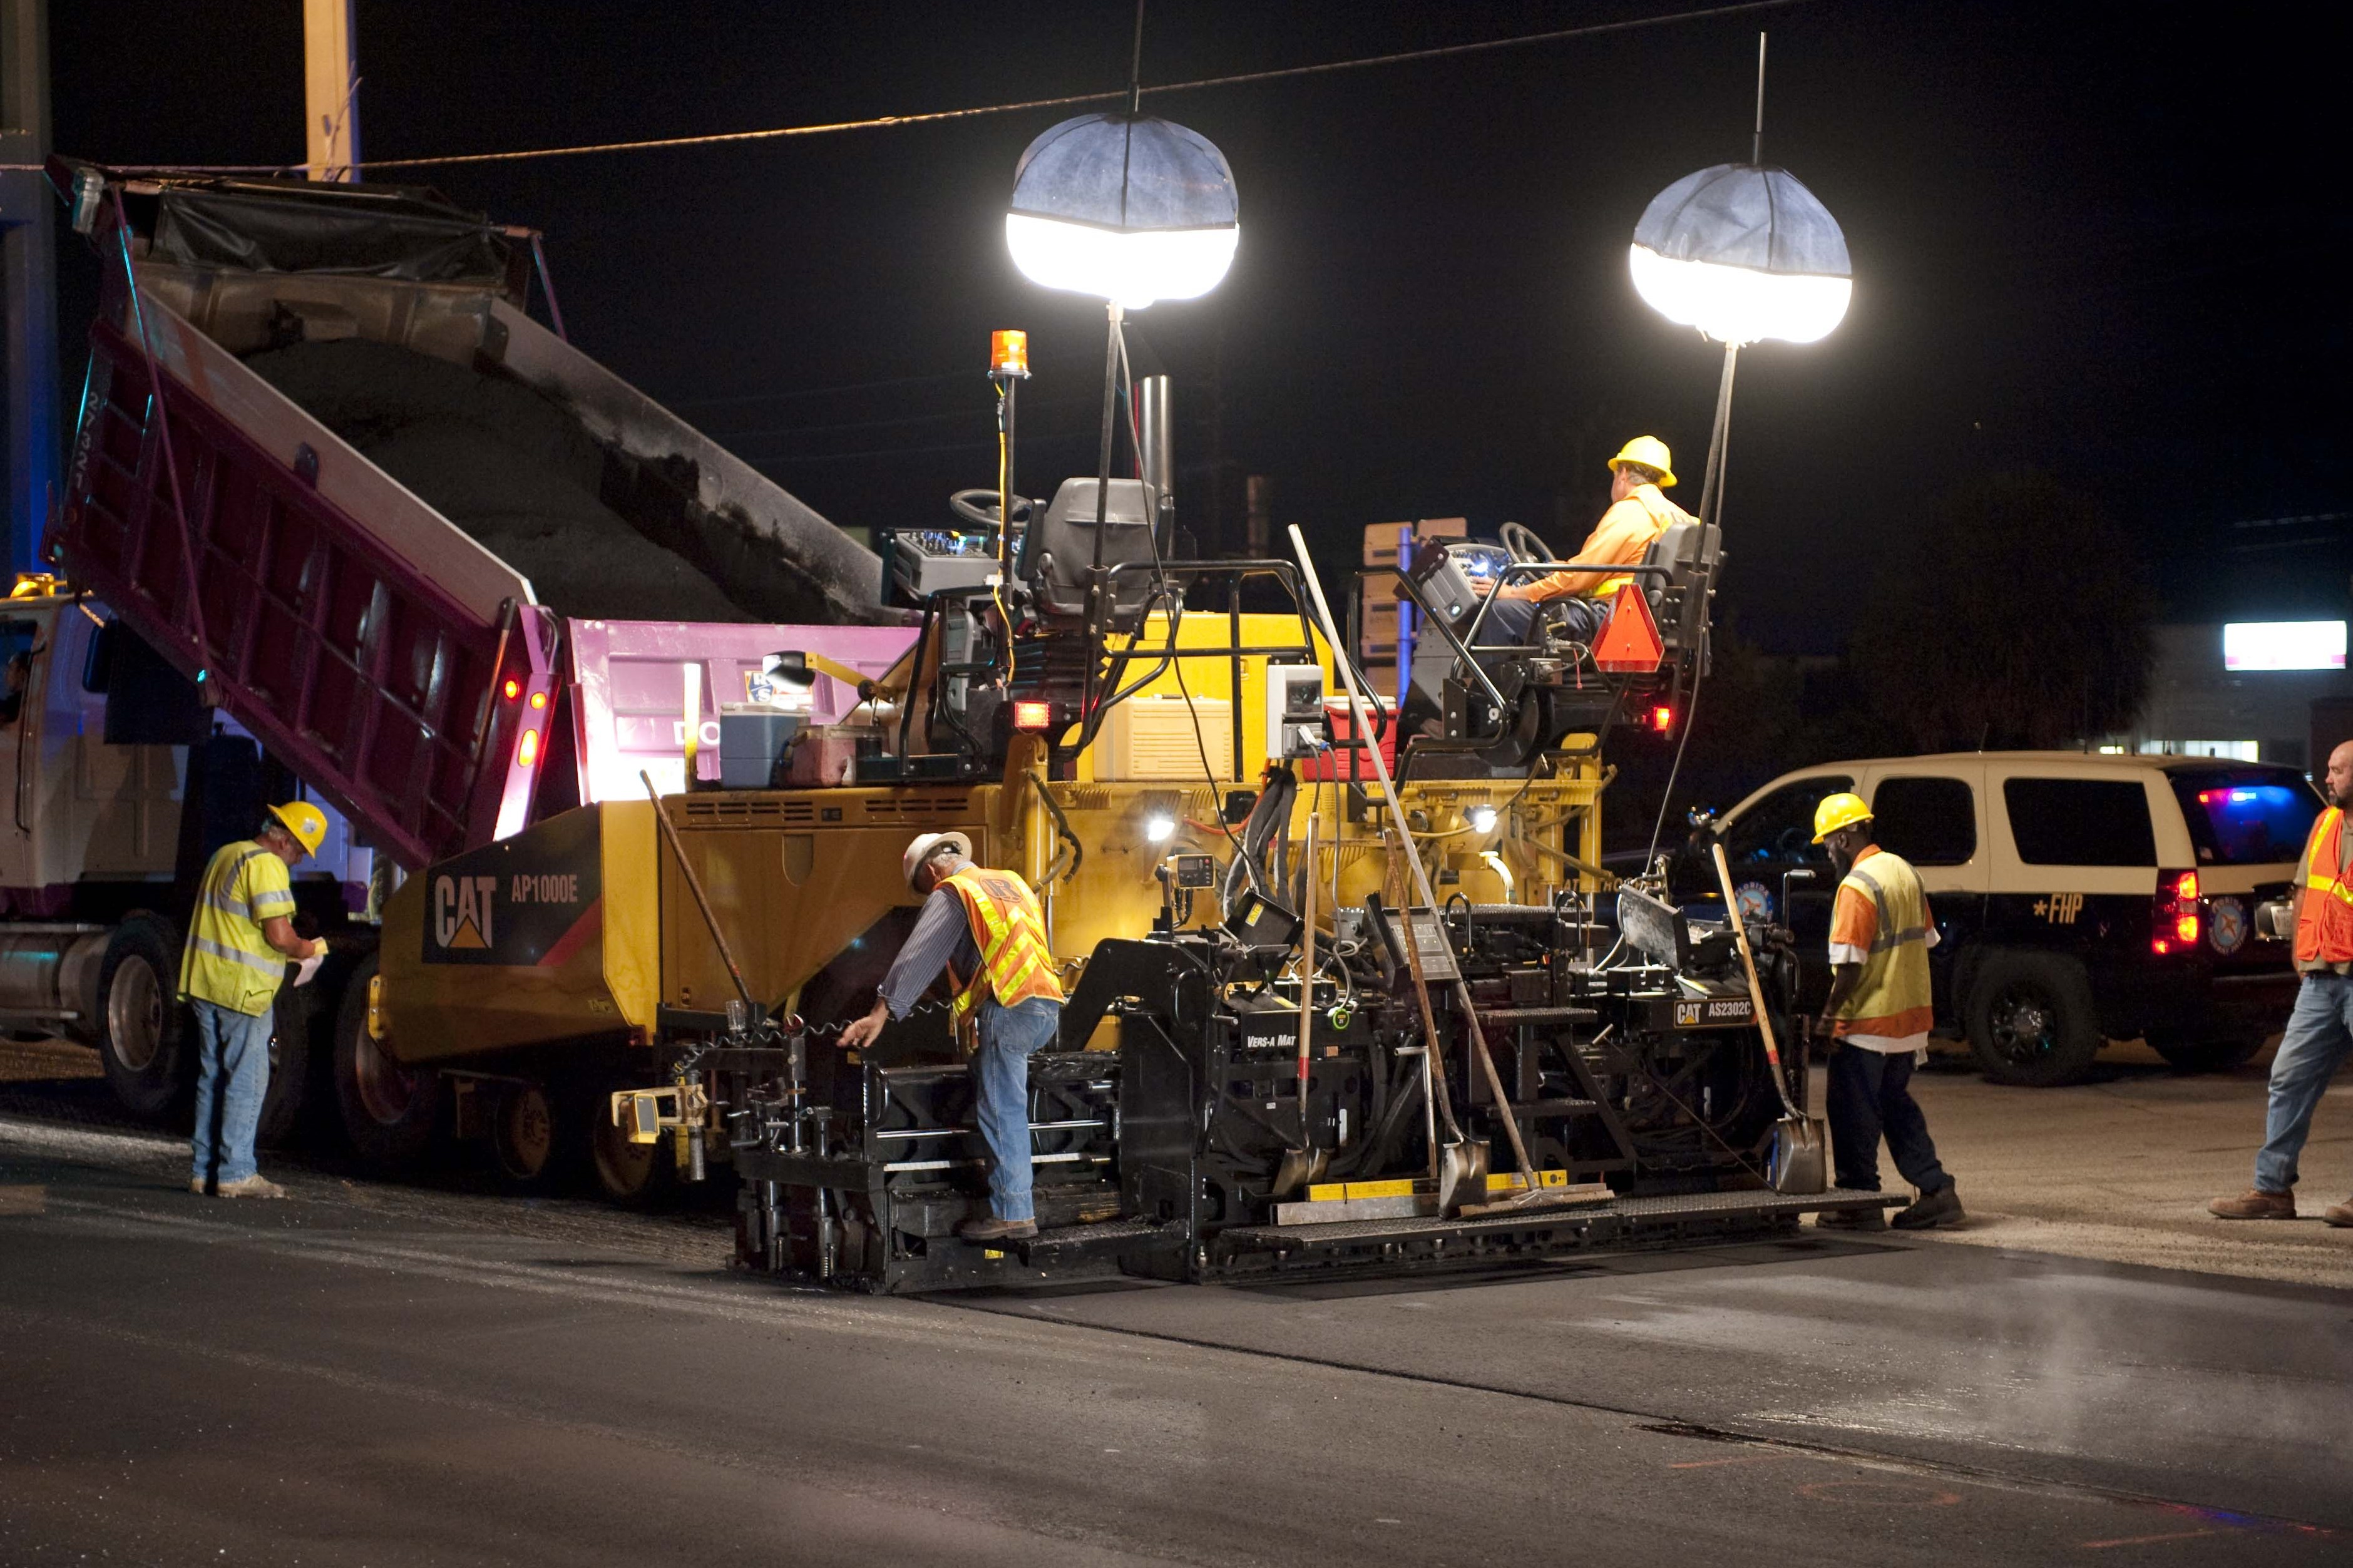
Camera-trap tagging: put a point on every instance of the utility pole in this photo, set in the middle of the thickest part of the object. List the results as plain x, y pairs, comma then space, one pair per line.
331, 88
29, 261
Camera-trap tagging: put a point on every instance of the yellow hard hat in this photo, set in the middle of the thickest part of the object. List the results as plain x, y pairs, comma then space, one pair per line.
1651, 453
306, 822
921, 847
1838, 811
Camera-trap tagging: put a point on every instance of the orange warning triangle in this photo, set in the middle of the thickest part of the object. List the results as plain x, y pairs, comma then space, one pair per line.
1630, 643
467, 934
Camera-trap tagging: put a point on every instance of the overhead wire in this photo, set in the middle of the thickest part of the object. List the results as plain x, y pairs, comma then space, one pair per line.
940, 116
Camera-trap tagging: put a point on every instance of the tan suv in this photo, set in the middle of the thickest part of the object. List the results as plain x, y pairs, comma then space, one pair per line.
2080, 898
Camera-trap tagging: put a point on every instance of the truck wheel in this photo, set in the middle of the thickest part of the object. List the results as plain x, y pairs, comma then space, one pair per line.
290, 1067
2031, 1019
2207, 1051
529, 1137
143, 1038
389, 1110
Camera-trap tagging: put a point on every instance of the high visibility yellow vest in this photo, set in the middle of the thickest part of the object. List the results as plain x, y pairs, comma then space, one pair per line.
1014, 962
2324, 920
1894, 999
226, 961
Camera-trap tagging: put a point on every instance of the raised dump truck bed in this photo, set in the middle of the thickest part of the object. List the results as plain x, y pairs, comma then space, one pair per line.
373, 487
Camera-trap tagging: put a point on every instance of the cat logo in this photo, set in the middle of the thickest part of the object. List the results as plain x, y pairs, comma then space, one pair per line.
461, 911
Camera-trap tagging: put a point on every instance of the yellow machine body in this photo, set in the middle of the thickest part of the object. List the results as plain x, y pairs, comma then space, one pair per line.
797, 879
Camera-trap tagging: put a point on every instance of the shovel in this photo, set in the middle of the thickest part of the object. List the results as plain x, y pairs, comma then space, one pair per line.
1304, 1164
1799, 1158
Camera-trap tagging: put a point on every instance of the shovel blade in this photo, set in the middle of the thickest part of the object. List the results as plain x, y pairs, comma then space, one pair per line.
1799, 1158
1300, 1167
1462, 1175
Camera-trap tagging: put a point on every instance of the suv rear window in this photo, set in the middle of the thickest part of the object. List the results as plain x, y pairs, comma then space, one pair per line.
2080, 822
2246, 816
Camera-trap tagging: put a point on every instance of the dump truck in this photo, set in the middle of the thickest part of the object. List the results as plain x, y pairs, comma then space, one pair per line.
344, 521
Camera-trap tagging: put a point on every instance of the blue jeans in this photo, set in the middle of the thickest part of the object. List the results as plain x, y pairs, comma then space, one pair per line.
1513, 620
1871, 1097
232, 1074
2319, 1038
1000, 1083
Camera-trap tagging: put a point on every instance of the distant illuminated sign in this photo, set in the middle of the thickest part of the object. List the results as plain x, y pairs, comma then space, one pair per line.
2284, 644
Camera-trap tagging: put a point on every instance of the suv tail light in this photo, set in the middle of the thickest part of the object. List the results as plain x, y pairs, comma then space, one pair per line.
2174, 925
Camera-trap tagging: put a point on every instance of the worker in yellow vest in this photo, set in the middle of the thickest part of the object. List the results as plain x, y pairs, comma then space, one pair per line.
1639, 512
239, 940
2320, 1029
1879, 1013
983, 929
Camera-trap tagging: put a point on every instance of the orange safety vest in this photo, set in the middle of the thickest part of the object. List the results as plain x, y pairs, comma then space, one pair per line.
2324, 922
1014, 962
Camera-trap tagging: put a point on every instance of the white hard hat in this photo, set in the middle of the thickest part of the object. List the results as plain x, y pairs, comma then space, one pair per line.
919, 850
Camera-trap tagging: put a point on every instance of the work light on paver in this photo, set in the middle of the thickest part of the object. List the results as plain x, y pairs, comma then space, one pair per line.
1127, 207
1744, 253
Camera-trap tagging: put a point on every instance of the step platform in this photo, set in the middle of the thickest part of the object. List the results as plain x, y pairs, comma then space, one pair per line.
1423, 1242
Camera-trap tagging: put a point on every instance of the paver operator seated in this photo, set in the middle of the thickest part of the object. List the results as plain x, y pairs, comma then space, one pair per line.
1579, 601
1879, 1011
239, 940
984, 925
2319, 1038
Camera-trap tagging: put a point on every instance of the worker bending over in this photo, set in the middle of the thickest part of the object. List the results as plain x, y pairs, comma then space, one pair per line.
1579, 601
2320, 1029
239, 944
1879, 1011
983, 924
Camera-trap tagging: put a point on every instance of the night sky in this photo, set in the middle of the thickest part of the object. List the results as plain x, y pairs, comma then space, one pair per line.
2104, 241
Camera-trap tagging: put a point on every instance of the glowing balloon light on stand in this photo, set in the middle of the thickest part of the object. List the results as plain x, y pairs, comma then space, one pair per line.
1743, 253
1128, 207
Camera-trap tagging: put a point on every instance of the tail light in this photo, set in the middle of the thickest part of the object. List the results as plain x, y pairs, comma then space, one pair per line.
514, 688
527, 754
1663, 719
1027, 715
2174, 925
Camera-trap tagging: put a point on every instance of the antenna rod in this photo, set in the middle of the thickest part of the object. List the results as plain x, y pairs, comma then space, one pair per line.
1135, 63
1755, 147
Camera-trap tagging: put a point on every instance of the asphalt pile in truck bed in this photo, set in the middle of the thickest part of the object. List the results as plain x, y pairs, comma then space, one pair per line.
509, 465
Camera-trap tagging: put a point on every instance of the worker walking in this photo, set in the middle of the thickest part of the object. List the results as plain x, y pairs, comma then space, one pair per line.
2320, 1029
1879, 1012
983, 929
239, 944
1639, 512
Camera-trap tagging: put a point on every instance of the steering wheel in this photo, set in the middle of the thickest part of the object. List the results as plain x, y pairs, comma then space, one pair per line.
979, 508
1522, 541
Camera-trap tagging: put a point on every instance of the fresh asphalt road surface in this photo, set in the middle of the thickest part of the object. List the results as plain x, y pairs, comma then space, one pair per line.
371, 1374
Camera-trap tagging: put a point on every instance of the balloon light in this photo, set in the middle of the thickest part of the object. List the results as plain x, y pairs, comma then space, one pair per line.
1128, 207
1744, 253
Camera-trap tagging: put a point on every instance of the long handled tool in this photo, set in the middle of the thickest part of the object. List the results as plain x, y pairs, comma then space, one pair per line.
1530, 1193
1304, 1163
1457, 1164
1799, 1159
695, 885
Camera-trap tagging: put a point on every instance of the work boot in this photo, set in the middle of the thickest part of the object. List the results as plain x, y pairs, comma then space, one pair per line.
254, 1186
2254, 1203
1933, 1211
1851, 1220
992, 1230
2339, 1215
197, 1184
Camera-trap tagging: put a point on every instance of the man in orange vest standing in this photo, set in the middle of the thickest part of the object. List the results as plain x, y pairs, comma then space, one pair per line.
2320, 1030
983, 929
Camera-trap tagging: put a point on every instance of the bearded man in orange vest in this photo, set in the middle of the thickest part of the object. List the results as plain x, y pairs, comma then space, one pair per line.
2320, 1030
983, 929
